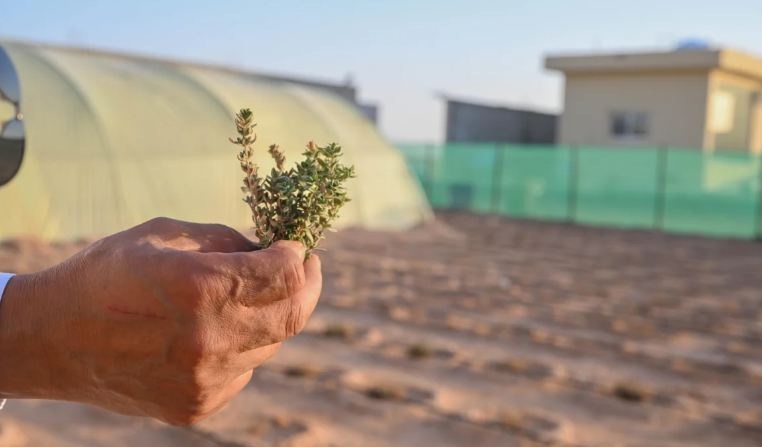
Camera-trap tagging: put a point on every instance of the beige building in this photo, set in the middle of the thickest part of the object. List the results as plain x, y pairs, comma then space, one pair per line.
698, 98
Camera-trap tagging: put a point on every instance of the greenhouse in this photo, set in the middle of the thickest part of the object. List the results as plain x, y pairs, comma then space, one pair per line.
111, 140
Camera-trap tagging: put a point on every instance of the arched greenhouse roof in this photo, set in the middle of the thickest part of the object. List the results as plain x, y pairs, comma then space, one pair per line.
112, 140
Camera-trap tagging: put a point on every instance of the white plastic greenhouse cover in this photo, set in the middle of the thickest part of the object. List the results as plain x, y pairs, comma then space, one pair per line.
113, 140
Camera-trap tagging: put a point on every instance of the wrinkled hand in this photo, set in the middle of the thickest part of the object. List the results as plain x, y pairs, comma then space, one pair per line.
167, 319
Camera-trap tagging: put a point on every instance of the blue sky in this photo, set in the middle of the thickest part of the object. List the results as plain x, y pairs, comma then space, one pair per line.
400, 53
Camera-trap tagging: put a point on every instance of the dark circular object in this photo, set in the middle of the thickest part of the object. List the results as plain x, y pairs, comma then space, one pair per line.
12, 132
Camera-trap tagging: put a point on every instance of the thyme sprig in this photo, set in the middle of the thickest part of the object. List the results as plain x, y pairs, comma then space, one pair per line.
299, 203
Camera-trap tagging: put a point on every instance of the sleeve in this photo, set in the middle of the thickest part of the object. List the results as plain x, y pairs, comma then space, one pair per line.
4, 278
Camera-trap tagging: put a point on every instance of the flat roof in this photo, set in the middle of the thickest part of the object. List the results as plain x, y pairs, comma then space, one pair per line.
725, 59
492, 105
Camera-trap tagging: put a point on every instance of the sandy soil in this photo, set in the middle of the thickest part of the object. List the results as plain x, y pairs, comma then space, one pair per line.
484, 331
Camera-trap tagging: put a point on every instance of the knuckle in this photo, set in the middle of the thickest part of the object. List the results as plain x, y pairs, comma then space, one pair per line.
196, 401
228, 239
221, 230
230, 232
189, 405
160, 222
218, 227
185, 418
180, 420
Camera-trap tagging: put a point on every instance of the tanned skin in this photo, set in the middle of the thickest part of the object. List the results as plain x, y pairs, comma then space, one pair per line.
167, 320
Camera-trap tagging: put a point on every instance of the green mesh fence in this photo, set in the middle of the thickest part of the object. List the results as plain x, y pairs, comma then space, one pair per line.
463, 177
616, 187
679, 190
534, 181
717, 194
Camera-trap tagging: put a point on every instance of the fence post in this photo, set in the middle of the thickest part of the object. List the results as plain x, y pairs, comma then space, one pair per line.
571, 199
758, 229
661, 187
497, 177
428, 171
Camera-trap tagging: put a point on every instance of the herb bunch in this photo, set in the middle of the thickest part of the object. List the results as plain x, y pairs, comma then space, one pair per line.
299, 203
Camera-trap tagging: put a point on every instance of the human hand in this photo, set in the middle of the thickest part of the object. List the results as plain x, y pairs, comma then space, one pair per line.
167, 319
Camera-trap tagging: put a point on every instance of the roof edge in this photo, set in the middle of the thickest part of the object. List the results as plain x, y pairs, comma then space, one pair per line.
741, 63
624, 62
704, 60
497, 105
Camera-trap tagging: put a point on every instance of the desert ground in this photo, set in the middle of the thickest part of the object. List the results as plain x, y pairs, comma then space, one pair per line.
483, 331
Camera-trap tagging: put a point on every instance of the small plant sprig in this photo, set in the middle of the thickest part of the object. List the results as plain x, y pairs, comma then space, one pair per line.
299, 203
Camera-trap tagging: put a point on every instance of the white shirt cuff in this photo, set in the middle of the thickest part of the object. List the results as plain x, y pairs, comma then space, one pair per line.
4, 278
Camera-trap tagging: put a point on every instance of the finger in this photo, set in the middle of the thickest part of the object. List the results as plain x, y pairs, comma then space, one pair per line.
229, 392
253, 358
285, 318
270, 275
236, 386
308, 297
191, 236
214, 238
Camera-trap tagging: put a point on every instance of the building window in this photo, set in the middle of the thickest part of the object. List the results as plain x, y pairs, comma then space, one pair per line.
731, 117
628, 125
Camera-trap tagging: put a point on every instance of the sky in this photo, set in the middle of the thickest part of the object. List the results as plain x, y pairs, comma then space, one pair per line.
401, 54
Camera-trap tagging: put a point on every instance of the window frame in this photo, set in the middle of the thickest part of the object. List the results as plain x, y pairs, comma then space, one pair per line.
635, 124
